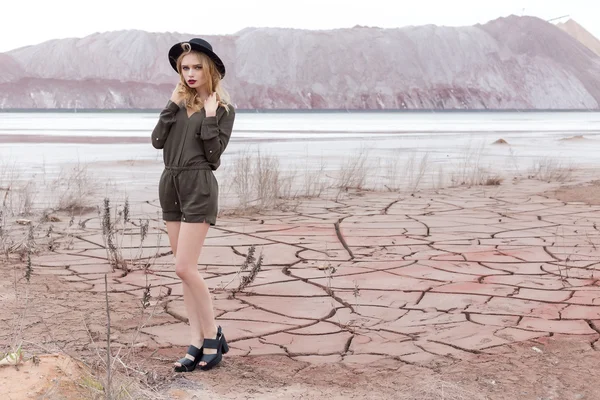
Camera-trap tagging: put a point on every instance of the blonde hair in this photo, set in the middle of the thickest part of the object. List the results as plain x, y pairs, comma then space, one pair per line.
213, 77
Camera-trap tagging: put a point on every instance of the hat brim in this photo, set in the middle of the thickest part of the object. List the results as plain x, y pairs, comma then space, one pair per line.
176, 51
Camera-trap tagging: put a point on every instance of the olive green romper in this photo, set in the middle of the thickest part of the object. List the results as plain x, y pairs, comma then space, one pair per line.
192, 149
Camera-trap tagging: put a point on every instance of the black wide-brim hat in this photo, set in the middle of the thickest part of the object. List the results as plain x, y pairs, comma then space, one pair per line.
201, 46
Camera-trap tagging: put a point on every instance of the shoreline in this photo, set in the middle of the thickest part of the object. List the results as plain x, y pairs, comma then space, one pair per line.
287, 136
74, 139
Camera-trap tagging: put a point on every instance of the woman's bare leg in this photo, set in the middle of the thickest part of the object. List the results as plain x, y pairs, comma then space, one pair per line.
189, 246
197, 336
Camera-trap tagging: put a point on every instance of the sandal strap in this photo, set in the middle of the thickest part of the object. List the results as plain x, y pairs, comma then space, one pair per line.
207, 358
185, 361
211, 343
194, 351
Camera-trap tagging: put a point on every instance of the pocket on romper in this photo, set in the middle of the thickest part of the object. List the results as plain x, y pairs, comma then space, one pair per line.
193, 184
167, 195
206, 184
214, 182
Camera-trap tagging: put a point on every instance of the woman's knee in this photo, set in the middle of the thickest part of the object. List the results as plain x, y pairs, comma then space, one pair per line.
183, 270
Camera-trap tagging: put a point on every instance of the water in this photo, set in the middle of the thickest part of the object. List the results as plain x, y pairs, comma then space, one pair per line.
303, 125
310, 141
306, 135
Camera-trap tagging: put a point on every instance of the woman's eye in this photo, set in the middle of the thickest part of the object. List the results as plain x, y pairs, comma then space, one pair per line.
199, 67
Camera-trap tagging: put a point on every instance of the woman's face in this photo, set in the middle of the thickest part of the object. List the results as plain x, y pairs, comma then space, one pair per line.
191, 69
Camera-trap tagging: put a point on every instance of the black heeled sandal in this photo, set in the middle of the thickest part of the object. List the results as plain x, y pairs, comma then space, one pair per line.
220, 344
187, 365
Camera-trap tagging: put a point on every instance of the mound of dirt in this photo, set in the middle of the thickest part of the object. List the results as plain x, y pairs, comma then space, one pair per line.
47, 376
577, 138
501, 142
587, 193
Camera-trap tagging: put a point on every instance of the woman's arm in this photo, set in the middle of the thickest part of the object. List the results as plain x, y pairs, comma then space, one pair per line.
167, 118
216, 134
163, 126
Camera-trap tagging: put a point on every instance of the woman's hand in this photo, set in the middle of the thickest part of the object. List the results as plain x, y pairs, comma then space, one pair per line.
211, 104
177, 95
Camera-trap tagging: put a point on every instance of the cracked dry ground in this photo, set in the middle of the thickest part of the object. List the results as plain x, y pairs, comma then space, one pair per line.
368, 296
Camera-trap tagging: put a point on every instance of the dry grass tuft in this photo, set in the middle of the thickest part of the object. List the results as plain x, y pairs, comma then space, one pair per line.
74, 188
493, 181
257, 182
354, 171
550, 170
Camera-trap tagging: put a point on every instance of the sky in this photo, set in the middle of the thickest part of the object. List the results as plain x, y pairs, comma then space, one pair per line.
31, 22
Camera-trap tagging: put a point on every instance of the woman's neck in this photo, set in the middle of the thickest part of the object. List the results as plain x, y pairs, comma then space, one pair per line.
202, 93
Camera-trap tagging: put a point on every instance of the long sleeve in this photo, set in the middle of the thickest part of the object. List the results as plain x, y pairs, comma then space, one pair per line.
163, 126
216, 134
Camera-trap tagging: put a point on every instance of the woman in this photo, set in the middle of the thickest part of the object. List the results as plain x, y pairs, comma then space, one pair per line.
193, 130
